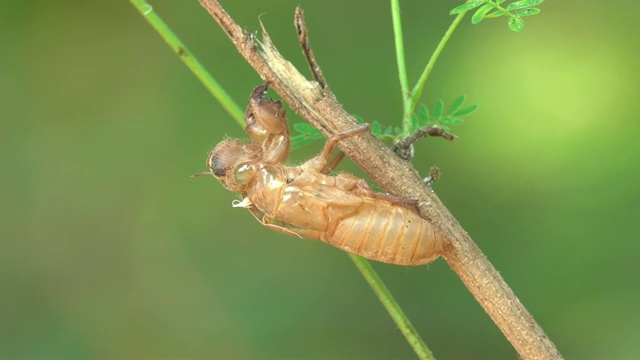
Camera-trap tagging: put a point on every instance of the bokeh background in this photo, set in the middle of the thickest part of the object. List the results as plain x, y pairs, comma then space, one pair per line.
109, 249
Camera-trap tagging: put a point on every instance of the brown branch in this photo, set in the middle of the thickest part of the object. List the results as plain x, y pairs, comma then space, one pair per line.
319, 107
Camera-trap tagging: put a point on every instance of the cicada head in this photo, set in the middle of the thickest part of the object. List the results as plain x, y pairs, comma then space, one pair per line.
234, 163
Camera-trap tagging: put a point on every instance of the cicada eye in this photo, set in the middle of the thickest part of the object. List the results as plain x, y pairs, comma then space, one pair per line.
217, 165
217, 169
219, 173
226, 155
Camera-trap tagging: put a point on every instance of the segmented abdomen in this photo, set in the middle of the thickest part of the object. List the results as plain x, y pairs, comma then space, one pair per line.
386, 232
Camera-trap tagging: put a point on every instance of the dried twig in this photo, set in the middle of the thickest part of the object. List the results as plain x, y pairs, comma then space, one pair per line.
404, 148
318, 106
303, 37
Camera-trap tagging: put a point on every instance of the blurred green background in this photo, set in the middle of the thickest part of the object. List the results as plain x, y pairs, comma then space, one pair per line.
108, 249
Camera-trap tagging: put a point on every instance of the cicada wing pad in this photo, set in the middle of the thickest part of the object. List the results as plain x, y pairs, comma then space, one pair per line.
283, 227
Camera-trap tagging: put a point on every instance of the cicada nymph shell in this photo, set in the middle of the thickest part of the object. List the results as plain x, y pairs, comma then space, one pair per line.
305, 201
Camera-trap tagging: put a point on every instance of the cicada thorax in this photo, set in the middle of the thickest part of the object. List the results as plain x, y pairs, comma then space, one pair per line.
268, 189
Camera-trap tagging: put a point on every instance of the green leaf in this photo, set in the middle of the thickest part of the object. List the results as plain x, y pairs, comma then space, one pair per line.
308, 134
450, 120
387, 134
437, 109
500, 1
423, 114
376, 128
495, 14
481, 12
298, 141
528, 12
415, 122
466, 110
466, 6
523, 4
515, 23
456, 103
306, 128
398, 131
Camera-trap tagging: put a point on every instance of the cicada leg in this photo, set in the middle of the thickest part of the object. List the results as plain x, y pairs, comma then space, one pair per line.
365, 190
321, 163
266, 124
332, 165
412, 204
332, 142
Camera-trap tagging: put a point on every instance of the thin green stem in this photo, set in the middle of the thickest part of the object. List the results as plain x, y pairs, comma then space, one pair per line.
399, 42
417, 90
393, 308
192, 63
